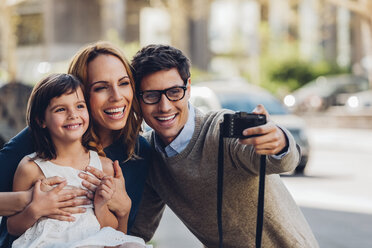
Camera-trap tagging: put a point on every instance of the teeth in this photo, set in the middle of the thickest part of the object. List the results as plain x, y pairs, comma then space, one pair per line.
114, 110
73, 126
165, 118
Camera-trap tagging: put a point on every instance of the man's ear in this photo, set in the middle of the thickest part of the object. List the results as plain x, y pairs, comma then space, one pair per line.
189, 82
188, 85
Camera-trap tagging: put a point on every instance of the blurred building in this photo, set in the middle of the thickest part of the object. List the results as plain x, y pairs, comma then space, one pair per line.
50, 32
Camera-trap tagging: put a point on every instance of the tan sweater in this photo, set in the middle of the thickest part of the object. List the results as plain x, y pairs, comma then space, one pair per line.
187, 183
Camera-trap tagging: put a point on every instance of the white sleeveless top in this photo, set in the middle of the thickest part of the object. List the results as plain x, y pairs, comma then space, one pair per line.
85, 231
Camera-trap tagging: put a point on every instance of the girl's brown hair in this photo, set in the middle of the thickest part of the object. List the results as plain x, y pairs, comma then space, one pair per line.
43, 92
79, 68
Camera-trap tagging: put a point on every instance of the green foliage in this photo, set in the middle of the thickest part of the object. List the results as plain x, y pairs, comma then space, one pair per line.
294, 73
3, 75
198, 75
283, 71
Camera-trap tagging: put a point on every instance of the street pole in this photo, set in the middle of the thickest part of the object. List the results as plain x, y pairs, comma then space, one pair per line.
8, 40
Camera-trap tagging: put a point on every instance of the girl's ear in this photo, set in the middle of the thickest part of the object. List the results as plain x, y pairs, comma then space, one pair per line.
41, 123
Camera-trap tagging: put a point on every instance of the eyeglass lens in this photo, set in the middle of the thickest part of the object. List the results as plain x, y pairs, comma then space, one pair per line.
173, 94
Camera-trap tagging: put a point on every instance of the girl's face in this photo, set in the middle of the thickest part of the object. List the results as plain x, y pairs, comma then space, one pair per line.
67, 117
110, 94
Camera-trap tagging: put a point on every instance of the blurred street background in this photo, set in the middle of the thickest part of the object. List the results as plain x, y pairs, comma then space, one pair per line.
308, 61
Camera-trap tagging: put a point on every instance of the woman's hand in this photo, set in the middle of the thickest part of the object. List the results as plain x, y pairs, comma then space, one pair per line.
120, 203
50, 202
69, 198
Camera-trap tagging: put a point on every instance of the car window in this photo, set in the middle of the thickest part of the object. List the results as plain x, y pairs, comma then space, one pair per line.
244, 102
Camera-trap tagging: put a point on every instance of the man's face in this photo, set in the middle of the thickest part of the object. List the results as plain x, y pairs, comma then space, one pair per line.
166, 117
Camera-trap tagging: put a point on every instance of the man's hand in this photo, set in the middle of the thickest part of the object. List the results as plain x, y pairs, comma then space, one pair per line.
272, 139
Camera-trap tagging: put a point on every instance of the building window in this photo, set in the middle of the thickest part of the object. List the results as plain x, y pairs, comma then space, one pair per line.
30, 29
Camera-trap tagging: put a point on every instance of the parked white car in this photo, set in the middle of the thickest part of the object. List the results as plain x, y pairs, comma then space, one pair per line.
360, 101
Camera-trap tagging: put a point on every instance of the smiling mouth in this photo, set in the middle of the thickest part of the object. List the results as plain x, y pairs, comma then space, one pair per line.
73, 126
165, 118
115, 113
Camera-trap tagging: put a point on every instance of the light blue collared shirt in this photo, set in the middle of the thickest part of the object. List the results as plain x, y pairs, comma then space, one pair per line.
182, 140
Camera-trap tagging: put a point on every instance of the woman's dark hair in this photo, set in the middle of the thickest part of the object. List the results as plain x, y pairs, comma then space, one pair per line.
43, 92
154, 58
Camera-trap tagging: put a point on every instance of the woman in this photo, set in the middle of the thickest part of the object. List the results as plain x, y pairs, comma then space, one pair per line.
116, 121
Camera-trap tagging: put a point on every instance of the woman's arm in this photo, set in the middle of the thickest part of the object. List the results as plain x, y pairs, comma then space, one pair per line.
42, 204
24, 178
13, 202
11, 155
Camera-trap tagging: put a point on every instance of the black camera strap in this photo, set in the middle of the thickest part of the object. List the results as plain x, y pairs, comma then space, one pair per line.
220, 188
261, 192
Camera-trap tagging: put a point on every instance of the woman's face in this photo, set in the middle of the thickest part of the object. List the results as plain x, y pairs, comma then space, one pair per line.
110, 93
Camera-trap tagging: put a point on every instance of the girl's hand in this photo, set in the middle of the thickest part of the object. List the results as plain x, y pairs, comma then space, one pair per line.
120, 202
104, 191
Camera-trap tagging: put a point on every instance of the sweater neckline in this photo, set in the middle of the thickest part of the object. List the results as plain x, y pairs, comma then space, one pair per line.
190, 145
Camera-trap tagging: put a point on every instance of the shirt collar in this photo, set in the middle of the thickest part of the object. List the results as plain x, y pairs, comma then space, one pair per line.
182, 140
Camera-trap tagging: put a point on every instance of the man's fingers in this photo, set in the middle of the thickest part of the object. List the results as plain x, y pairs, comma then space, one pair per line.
75, 191
260, 109
53, 180
62, 217
91, 179
74, 210
66, 197
37, 186
74, 202
59, 187
90, 195
89, 186
97, 173
105, 188
108, 181
118, 173
105, 195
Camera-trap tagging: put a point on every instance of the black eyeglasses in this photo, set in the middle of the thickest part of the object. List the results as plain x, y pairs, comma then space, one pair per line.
153, 96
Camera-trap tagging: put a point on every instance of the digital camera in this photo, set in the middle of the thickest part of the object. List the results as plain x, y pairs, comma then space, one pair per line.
234, 124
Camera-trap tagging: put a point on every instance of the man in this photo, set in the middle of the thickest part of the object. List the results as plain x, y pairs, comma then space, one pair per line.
185, 176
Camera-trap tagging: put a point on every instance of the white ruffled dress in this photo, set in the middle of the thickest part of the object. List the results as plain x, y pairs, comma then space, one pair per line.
85, 231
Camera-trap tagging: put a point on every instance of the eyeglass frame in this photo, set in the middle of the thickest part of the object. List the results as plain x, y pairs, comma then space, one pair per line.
163, 92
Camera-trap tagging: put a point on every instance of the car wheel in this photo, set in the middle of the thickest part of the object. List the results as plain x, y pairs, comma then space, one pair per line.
300, 169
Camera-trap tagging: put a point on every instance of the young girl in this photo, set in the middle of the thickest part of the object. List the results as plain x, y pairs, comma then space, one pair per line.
58, 117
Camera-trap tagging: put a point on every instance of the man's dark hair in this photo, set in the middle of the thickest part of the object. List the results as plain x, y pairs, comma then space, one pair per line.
154, 58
